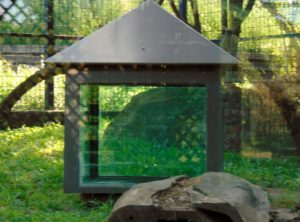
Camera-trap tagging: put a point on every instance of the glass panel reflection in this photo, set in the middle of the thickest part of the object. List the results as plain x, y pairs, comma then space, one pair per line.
142, 131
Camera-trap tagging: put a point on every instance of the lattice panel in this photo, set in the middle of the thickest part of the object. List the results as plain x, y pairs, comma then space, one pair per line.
14, 11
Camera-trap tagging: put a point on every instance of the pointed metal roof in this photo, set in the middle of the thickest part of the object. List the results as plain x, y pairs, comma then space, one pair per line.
146, 35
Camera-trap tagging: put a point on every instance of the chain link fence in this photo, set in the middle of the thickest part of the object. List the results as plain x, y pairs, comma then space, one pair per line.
263, 34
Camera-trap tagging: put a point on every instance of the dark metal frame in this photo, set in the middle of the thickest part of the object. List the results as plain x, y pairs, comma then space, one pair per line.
208, 76
49, 83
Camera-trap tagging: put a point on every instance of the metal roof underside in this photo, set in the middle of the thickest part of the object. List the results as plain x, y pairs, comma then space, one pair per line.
146, 35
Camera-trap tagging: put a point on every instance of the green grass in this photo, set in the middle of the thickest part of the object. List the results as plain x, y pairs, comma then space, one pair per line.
273, 172
31, 172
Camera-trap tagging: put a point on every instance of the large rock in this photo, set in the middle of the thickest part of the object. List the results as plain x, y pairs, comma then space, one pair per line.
244, 201
168, 116
212, 197
142, 204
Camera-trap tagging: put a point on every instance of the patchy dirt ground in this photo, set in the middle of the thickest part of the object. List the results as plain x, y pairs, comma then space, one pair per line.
282, 198
286, 205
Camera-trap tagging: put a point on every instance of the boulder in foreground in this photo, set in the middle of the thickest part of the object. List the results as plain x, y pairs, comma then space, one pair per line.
212, 197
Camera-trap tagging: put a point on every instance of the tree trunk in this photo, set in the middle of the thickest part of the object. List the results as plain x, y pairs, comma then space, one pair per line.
232, 19
232, 94
232, 97
288, 105
183, 9
15, 95
232, 117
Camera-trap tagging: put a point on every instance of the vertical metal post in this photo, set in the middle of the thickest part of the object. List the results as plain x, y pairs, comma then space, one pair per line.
183, 9
49, 83
93, 135
215, 149
224, 22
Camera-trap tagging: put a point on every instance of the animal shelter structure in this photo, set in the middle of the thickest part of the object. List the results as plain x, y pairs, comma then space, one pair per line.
169, 122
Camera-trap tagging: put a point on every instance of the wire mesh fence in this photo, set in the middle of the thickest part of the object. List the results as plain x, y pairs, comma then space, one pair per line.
267, 44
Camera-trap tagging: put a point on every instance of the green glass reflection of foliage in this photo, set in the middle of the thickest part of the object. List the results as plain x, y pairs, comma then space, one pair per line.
110, 99
135, 157
115, 98
164, 148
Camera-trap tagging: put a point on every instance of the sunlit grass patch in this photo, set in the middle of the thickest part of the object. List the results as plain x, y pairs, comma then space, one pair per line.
31, 173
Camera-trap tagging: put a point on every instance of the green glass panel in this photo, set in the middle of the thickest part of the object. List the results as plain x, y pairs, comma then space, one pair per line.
142, 131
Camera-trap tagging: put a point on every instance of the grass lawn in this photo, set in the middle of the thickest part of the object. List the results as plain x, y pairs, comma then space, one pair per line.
31, 171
